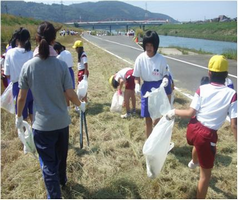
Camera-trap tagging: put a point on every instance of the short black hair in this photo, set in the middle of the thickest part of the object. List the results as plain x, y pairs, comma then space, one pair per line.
218, 77
205, 80
58, 46
153, 38
114, 83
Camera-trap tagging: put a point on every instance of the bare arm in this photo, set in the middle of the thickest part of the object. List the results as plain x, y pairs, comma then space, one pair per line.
185, 113
121, 82
72, 96
21, 100
86, 68
234, 127
137, 80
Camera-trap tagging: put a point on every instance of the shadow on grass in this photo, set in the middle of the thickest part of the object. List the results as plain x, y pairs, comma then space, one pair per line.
222, 160
181, 101
228, 195
183, 154
119, 189
182, 122
97, 108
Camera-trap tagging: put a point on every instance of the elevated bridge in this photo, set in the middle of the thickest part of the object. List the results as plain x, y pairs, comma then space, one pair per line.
118, 23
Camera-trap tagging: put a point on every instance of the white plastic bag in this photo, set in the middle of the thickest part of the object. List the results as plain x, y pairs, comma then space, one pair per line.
26, 138
7, 101
82, 87
117, 102
158, 103
157, 146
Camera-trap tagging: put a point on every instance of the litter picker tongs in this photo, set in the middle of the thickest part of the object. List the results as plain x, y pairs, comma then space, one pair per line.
83, 121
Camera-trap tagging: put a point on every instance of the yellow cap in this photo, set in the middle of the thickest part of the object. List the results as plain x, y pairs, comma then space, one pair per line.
110, 80
218, 63
78, 43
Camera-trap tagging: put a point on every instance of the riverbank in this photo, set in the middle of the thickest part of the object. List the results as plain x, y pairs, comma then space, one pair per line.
113, 166
221, 31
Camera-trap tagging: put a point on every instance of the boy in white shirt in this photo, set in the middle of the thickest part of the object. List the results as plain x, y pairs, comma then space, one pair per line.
65, 56
82, 63
124, 76
210, 106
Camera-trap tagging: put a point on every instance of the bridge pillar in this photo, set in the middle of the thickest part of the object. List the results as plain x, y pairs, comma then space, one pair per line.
143, 27
127, 28
93, 27
110, 28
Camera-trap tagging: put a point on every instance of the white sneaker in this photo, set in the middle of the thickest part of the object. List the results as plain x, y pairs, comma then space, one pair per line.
125, 116
192, 165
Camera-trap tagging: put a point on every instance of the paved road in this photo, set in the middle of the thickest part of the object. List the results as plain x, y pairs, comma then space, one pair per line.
187, 70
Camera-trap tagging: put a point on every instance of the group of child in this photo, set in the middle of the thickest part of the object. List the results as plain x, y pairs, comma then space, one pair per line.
29, 73
43, 99
214, 99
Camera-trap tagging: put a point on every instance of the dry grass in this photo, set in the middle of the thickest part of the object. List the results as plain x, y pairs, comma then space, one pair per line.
113, 166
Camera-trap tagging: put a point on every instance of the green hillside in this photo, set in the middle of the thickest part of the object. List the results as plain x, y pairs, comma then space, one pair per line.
90, 11
224, 31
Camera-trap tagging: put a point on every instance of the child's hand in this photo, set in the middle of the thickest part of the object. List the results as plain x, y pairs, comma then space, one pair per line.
83, 106
165, 82
170, 115
137, 88
119, 92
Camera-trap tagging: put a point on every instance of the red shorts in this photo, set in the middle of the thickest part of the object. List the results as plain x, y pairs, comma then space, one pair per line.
80, 75
130, 84
204, 140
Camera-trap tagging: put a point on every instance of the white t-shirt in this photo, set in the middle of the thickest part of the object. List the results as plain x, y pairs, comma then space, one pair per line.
66, 56
83, 60
122, 73
14, 60
213, 102
150, 68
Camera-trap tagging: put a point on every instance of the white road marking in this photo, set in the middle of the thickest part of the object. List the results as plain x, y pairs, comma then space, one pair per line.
179, 90
140, 49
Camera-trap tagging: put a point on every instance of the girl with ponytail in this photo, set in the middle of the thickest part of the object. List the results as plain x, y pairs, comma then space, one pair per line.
14, 61
49, 80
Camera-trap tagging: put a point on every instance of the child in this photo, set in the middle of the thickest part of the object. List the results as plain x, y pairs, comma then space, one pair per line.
117, 81
19, 53
65, 56
210, 106
82, 63
152, 68
49, 79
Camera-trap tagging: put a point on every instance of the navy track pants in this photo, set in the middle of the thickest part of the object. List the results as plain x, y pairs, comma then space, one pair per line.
52, 147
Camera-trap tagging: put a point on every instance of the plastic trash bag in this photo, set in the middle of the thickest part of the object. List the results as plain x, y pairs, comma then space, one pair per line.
82, 87
26, 138
7, 100
157, 146
117, 102
158, 103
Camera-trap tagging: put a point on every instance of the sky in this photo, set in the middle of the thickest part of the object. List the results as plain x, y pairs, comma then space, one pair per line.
182, 11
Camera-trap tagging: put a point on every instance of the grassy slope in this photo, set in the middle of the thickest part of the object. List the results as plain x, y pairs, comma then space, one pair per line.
224, 31
113, 166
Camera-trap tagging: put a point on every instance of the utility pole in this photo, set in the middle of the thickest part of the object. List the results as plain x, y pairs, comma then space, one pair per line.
62, 12
146, 14
6, 8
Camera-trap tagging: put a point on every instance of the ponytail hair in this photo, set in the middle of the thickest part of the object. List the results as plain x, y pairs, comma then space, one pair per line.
23, 36
46, 34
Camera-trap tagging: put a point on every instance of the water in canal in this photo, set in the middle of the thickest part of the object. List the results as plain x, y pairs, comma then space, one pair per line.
212, 46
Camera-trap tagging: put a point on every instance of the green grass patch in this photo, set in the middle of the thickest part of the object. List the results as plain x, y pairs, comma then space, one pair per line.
223, 31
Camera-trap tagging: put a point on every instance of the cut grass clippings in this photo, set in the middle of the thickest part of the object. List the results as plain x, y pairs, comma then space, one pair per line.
113, 166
